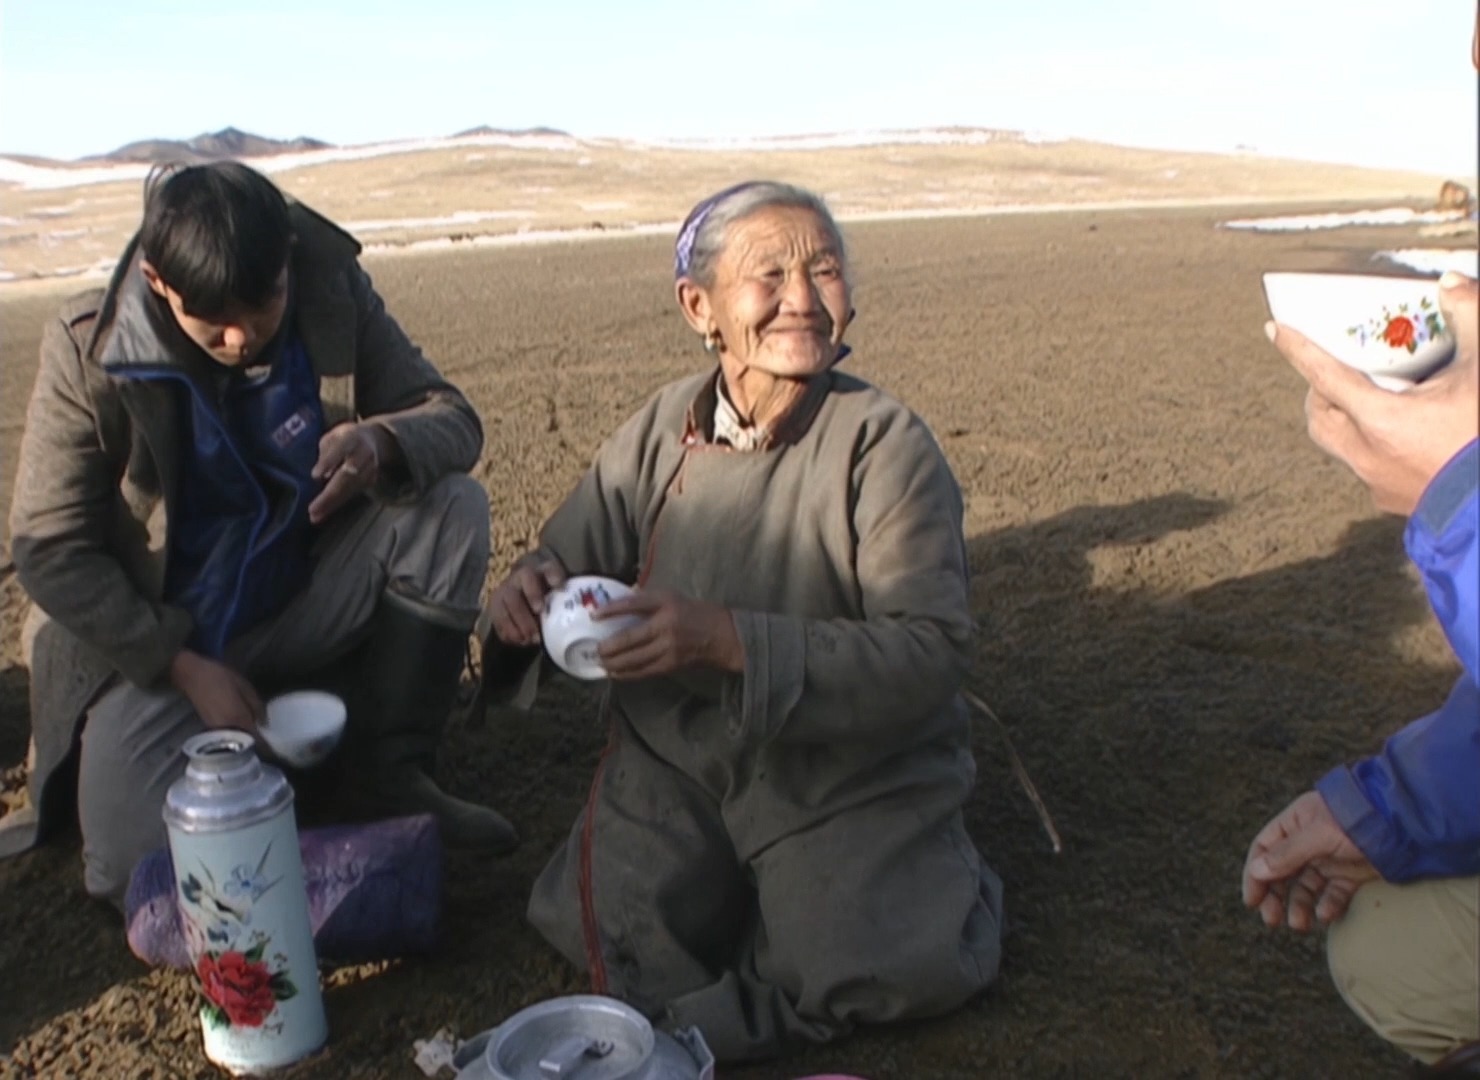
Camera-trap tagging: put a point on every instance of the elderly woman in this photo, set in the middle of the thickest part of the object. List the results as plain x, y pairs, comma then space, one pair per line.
773, 848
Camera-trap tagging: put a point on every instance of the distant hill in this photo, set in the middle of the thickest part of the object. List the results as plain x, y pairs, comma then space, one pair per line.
226, 143
484, 129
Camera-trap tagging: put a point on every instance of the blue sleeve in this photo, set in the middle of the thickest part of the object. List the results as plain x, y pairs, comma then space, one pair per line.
1443, 541
1414, 808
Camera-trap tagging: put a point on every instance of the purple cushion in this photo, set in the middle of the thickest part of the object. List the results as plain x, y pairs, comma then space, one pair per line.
374, 892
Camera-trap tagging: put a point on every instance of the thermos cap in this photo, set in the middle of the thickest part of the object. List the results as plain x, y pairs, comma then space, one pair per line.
225, 785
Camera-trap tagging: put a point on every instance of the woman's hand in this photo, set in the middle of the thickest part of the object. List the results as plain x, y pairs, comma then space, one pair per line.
516, 603
221, 695
676, 632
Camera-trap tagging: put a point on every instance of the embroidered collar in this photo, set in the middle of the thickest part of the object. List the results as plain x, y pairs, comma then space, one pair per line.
729, 428
712, 419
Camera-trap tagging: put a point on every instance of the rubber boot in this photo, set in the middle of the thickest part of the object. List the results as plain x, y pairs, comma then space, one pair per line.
413, 663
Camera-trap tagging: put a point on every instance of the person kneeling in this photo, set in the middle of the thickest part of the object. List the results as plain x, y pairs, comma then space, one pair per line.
240, 390
1386, 851
773, 849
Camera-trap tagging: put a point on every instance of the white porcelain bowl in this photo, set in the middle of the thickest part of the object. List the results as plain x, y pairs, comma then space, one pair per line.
303, 727
570, 635
1387, 327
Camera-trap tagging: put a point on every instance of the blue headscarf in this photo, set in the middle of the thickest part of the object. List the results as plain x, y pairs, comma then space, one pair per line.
683, 248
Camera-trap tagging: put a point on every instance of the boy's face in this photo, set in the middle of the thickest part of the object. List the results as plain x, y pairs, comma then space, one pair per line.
235, 337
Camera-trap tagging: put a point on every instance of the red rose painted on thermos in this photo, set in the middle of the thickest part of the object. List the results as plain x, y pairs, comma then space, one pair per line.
240, 987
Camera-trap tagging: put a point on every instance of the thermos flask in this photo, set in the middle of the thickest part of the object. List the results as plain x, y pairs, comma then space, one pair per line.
243, 908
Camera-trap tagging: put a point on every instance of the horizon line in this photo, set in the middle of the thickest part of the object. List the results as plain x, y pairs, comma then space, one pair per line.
836, 138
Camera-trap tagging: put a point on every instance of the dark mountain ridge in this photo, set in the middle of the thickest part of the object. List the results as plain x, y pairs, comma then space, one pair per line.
213, 146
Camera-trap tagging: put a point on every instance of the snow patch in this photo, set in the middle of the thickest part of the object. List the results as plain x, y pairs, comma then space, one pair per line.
1397, 215
521, 238
1435, 260
457, 217
64, 176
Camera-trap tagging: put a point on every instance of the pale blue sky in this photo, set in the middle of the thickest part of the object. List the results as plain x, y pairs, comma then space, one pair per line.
1377, 82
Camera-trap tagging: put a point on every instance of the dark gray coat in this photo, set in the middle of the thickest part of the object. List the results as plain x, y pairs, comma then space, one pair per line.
99, 467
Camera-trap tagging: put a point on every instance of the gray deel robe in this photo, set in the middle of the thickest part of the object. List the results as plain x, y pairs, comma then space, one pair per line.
778, 855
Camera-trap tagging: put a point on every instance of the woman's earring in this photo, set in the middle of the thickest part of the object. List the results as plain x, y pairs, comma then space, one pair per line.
711, 341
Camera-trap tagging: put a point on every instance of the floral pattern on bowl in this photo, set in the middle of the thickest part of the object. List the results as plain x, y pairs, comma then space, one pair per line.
1401, 329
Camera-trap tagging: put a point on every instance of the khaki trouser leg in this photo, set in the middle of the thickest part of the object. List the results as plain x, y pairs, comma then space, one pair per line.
131, 744
438, 545
1407, 960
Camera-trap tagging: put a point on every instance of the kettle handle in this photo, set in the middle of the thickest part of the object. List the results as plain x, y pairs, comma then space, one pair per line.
469, 1059
692, 1040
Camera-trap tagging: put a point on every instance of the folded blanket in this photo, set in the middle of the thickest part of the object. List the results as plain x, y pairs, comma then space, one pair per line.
374, 893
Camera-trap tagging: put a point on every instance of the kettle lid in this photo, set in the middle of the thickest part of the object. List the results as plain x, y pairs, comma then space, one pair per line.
584, 1037
581, 1037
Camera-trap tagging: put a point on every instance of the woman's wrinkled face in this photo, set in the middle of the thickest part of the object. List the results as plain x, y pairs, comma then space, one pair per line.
779, 301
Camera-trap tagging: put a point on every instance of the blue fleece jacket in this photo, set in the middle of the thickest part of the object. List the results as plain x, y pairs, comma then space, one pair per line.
1414, 808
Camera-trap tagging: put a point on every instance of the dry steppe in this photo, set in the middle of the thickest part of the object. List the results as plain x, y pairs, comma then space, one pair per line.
1186, 613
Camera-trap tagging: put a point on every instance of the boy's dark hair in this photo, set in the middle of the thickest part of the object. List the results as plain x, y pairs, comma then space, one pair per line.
215, 233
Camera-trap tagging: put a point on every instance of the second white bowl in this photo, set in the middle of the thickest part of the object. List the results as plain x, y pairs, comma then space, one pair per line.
570, 635
1387, 327
303, 727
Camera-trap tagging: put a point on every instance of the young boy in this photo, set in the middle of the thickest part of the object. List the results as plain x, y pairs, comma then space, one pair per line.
237, 469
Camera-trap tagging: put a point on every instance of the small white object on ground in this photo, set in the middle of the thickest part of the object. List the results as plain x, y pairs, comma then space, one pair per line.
435, 1054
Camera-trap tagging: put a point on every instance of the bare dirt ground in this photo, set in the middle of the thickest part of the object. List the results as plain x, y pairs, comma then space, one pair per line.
1186, 615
